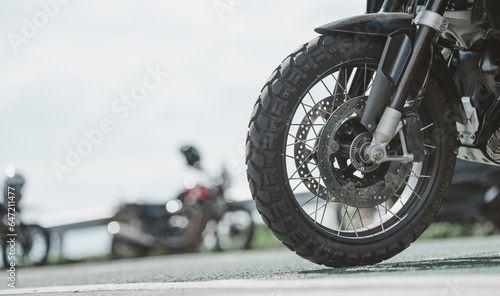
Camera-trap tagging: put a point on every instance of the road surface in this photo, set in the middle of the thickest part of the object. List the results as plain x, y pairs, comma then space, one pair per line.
454, 267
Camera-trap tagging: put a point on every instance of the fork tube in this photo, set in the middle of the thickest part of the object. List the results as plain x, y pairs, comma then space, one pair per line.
423, 39
391, 5
399, 63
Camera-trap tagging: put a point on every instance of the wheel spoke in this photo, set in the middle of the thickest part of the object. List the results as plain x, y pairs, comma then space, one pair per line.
324, 112
413, 190
389, 211
364, 78
360, 218
300, 141
308, 201
381, 221
339, 85
320, 111
342, 221
418, 176
351, 222
303, 142
428, 126
316, 213
303, 179
324, 211
346, 208
312, 213
300, 124
322, 82
399, 199
346, 77
367, 89
299, 167
357, 83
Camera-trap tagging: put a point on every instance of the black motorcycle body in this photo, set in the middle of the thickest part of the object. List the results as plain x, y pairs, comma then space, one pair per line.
354, 138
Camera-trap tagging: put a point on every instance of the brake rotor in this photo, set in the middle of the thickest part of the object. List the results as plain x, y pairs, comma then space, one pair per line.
305, 153
346, 176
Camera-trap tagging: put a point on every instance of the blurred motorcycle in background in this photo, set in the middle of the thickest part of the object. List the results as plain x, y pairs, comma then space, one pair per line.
474, 196
22, 244
198, 216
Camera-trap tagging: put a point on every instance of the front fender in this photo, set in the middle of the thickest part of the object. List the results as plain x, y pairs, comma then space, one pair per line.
378, 24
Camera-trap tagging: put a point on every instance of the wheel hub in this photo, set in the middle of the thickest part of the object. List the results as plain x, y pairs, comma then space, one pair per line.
341, 160
356, 153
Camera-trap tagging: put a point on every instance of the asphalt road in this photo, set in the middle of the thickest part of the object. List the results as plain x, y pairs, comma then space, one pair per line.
455, 267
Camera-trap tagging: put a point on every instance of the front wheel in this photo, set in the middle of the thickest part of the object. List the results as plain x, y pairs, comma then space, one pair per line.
29, 248
235, 230
305, 163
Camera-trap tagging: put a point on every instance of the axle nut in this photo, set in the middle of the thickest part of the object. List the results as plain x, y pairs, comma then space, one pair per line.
378, 154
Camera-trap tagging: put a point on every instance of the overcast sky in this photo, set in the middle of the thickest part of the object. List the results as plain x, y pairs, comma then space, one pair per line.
68, 68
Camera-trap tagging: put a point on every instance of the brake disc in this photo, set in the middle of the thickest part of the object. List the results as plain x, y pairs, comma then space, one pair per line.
346, 176
304, 152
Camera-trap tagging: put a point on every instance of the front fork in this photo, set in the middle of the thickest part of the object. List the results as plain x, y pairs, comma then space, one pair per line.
402, 57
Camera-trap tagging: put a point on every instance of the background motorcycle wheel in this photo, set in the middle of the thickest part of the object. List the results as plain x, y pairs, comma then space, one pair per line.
122, 248
31, 248
287, 121
235, 230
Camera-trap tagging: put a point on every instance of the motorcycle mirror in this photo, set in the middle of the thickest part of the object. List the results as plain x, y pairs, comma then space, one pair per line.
192, 156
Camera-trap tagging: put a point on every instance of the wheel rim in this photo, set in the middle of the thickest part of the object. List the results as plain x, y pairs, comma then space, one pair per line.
324, 207
234, 230
32, 247
124, 249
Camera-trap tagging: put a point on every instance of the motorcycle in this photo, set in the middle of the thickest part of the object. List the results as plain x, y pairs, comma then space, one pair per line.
474, 196
353, 140
21, 244
197, 215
